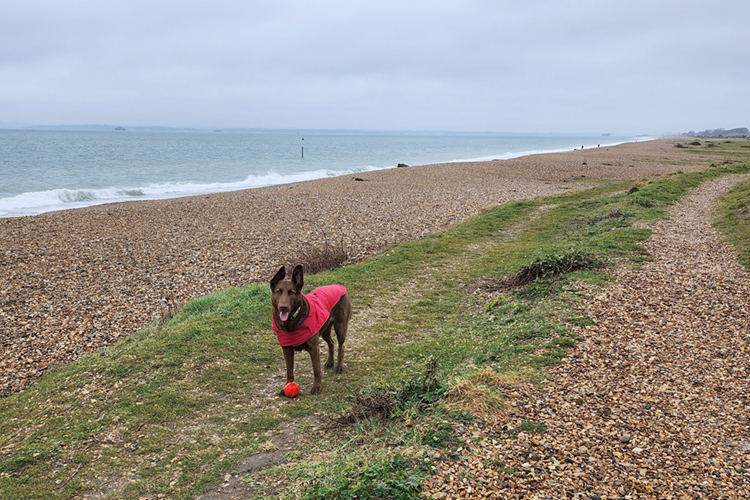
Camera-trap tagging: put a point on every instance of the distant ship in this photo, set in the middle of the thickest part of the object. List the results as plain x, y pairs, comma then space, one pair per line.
605, 135
119, 128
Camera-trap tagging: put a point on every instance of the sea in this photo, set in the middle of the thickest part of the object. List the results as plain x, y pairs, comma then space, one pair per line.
48, 170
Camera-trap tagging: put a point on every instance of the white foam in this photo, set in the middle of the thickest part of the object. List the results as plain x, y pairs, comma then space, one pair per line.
34, 203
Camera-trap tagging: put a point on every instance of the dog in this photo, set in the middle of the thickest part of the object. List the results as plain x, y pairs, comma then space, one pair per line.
300, 321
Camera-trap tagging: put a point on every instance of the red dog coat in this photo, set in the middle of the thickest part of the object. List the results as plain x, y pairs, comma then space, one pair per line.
321, 301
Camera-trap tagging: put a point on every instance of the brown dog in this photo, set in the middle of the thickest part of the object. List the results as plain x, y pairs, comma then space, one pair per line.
301, 320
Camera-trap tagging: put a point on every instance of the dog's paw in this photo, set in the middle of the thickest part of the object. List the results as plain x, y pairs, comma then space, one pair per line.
339, 369
315, 389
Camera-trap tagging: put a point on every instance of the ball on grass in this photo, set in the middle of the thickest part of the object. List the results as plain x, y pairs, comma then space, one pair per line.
291, 390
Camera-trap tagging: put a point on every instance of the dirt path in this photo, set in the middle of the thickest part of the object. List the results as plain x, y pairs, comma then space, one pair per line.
655, 400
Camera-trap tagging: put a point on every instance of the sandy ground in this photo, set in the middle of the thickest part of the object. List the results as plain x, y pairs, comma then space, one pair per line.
74, 281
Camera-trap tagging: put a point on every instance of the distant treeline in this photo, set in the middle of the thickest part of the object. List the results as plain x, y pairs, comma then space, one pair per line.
720, 133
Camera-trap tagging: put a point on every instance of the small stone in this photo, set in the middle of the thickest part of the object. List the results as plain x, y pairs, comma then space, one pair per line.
625, 438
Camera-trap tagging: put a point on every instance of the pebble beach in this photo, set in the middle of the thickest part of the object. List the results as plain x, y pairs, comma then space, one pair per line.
74, 281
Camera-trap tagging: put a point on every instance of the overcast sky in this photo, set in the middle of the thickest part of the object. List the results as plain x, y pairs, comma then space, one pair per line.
559, 66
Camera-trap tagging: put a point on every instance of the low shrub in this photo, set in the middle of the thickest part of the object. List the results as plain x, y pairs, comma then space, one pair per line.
386, 402
319, 258
554, 264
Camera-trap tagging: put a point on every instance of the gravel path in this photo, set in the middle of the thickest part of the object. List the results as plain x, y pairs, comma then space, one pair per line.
655, 400
74, 281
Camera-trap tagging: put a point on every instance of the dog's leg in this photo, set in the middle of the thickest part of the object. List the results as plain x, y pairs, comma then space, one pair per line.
313, 347
341, 314
341, 338
289, 361
325, 332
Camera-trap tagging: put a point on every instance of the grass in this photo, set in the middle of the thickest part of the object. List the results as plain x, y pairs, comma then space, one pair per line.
734, 221
437, 339
731, 150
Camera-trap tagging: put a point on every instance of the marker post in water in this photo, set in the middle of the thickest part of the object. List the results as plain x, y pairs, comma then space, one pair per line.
303, 148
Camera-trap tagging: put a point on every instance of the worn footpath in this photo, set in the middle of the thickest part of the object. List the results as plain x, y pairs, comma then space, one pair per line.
654, 402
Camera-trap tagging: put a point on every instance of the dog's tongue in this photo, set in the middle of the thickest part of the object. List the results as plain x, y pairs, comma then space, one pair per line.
284, 315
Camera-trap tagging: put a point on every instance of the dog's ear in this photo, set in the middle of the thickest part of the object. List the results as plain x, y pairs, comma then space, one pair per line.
298, 277
278, 277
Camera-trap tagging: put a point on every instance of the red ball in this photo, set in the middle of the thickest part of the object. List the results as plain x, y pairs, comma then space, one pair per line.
291, 390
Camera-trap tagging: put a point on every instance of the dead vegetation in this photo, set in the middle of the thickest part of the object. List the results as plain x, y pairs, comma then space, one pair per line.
553, 264
385, 402
324, 256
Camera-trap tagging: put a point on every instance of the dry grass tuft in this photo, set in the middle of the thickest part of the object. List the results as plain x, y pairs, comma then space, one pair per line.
328, 255
509, 379
474, 398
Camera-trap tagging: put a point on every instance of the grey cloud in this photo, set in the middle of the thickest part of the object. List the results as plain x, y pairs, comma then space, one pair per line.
474, 65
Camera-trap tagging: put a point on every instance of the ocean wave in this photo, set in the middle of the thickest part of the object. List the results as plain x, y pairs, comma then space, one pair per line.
37, 202
34, 203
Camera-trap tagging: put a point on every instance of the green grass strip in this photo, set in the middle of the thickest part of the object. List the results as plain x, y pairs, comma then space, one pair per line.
734, 221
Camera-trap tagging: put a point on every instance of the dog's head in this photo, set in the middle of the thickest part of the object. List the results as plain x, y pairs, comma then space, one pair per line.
286, 295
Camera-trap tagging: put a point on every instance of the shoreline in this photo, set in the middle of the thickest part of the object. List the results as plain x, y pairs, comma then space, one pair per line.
74, 281
29, 204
